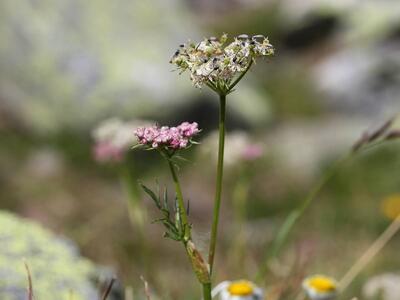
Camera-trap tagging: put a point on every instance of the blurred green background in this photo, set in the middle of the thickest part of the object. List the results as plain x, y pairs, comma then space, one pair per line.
67, 65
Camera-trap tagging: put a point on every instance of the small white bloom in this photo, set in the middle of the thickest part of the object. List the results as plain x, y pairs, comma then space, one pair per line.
205, 69
238, 290
386, 285
320, 287
117, 133
113, 138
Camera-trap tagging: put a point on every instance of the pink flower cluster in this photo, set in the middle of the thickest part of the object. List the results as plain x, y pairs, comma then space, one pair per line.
252, 152
106, 152
170, 137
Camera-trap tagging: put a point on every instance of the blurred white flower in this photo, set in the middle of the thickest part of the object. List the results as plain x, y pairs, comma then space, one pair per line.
320, 287
238, 290
385, 285
44, 163
239, 147
113, 138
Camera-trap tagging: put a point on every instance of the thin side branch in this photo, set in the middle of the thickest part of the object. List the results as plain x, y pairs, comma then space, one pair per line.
108, 290
146, 288
30, 288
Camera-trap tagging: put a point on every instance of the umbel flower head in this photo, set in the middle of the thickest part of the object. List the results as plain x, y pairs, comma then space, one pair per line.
238, 290
320, 287
212, 63
168, 138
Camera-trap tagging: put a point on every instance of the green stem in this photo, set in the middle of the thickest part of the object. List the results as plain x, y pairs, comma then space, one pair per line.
181, 204
218, 186
199, 266
295, 215
207, 291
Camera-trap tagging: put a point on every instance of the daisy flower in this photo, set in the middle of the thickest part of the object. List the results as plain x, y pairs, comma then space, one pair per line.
238, 290
320, 287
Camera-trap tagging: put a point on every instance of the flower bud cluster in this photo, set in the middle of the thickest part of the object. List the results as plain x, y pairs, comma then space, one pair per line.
210, 62
176, 138
387, 131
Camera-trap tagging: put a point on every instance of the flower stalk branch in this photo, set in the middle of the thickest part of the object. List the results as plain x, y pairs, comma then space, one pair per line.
232, 86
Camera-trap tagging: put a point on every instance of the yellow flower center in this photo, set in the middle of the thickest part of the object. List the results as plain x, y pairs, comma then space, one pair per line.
322, 284
241, 288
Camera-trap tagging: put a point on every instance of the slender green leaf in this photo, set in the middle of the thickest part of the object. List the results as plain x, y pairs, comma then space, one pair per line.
152, 195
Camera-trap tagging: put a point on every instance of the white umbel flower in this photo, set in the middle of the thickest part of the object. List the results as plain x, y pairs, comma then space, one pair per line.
212, 63
238, 290
320, 287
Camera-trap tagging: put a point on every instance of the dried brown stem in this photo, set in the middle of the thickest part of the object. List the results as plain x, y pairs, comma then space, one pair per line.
108, 290
30, 288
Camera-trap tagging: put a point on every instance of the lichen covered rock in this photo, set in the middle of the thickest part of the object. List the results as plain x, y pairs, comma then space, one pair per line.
58, 271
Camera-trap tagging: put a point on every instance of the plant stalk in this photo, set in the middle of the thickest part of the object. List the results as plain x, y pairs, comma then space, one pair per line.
199, 267
218, 186
296, 214
181, 204
207, 291
373, 250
